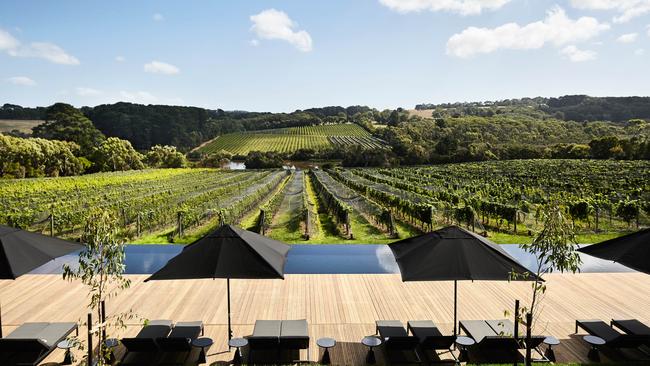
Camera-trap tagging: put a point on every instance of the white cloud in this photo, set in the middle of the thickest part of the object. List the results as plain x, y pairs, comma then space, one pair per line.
463, 7
7, 41
627, 9
639, 52
575, 54
158, 17
141, 97
556, 29
47, 51
159, 67
44, 50
21, 80
120, 59
275, 24
627, 38
87, 92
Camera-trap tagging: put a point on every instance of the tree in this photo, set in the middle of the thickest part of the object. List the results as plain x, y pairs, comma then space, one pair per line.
165, 157
555, 249
65, 122
35, 157
263, 160
115, 155
605, 147
216, 160
628, 211
101, 269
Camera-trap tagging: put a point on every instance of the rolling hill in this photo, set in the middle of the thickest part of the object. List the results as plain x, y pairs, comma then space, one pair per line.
290, 139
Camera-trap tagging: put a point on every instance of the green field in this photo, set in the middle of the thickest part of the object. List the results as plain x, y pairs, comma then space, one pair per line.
368, 205
24, 126
286, 140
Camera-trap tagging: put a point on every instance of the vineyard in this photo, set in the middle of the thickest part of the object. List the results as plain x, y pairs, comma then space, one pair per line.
286, 140
362, 205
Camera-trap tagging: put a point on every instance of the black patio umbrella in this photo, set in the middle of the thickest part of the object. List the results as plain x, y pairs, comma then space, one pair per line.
632, 250
229, 252
23, 251
455, 254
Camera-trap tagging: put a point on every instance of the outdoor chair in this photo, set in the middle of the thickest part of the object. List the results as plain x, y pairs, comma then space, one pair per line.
177, 346
490, 341
396, 338
294, 335
631, 326
611, 336
265, 337
143, 349
30, 343
431, 339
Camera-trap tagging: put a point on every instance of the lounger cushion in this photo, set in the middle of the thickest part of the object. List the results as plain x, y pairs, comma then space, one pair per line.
294, 328
267, 328
390, 328
502, 327
47, 333
633, 326
424, 328
600, 329
190, 330
430, 336
477, 329
145, 341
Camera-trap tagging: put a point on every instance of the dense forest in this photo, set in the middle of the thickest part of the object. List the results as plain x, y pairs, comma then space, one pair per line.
569, 108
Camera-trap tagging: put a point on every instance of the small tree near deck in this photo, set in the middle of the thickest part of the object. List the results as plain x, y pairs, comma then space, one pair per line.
101, 268
555, 249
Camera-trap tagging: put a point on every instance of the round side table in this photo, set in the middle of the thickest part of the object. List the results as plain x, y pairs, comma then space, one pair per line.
371, 342
594, 342
326, 343
202, 343
110, 345
550, 342
66, 345
463, 344
237, 343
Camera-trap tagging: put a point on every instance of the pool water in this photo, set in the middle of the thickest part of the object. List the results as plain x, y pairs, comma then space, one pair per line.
313, 259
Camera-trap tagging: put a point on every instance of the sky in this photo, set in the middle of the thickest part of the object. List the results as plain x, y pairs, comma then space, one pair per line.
279, 56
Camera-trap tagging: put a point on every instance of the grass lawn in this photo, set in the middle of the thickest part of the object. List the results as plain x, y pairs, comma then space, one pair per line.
506, 238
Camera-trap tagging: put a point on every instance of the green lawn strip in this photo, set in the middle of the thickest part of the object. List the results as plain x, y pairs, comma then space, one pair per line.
507, 238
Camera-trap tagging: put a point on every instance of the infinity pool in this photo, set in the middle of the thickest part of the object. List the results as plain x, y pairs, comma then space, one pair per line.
313, 259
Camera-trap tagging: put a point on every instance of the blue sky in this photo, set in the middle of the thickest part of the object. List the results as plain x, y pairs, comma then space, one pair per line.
287, 55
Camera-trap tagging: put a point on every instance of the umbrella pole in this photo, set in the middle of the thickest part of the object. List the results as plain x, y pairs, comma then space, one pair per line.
0, 321
455, 304
229, 325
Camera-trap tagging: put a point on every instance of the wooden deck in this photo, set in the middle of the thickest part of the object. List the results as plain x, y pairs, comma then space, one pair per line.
344, 307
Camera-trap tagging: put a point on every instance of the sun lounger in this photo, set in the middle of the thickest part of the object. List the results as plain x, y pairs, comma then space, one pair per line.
396, 338
181, 337
611, 336
145, 341
294, 335
490, 341
430, 337
30, 343
506, 327
631, 326
266, 334
177, 346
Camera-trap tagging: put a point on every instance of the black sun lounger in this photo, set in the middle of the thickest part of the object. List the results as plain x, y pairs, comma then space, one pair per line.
611, 336
181, 337
294, 335
396, 338
506, 327
145, 341
631, 326
490, 341
430, 337
30, 343
266, 336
